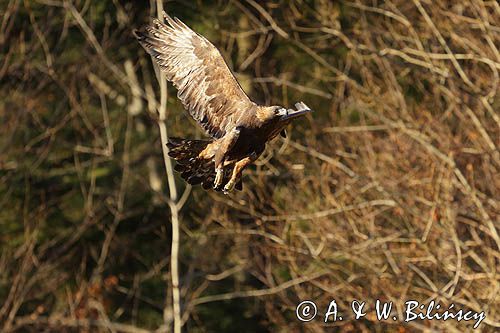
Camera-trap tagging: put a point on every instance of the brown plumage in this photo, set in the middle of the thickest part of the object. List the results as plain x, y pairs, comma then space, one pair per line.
210, 93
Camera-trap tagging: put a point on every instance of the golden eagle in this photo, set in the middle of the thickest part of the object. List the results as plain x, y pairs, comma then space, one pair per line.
210, 93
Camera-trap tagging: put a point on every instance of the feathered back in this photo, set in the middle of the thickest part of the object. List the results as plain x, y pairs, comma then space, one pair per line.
207, 88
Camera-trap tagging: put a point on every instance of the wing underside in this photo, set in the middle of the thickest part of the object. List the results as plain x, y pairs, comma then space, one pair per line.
206, 86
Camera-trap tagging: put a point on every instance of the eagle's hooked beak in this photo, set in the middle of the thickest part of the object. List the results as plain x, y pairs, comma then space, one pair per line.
301, 107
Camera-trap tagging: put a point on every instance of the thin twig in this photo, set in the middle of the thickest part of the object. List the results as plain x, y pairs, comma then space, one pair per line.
174, 252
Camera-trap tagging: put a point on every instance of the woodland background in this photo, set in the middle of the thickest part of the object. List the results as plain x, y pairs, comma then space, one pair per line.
390, 190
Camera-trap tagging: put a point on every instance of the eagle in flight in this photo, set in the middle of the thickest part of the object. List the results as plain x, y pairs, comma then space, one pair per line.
239, 128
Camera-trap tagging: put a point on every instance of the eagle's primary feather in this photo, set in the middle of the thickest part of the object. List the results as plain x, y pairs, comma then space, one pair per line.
210, 93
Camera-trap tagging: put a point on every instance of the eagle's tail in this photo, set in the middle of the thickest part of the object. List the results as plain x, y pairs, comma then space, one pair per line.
193, 168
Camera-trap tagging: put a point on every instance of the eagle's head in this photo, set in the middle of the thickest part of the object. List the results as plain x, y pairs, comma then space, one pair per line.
278, 117
284, 114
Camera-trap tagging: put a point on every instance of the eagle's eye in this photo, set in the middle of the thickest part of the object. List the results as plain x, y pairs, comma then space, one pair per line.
280, 111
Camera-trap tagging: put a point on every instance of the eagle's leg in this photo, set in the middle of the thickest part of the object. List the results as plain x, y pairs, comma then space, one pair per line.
237, 170
219, 173
225, 146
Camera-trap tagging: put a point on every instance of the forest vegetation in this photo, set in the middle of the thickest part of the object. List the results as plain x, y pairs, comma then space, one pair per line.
389, 190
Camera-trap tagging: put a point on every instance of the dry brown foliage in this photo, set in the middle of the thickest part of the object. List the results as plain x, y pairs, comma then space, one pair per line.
389, 191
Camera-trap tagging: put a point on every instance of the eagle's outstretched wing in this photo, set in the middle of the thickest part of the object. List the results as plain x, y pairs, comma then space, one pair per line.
207, 88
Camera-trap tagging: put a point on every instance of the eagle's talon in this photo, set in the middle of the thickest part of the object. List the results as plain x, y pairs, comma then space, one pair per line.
229, 186
218, 178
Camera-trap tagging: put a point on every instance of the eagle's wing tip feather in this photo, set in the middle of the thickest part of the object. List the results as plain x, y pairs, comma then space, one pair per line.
138, 34
165, 15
